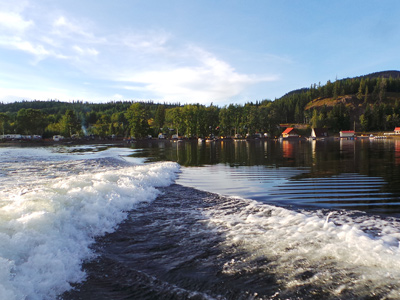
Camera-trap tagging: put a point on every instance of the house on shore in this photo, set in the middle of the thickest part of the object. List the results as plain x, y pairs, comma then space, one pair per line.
318, 133
347, 134
290, 132
397, 130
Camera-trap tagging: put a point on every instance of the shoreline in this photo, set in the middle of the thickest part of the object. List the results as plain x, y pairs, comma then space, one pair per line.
45, 143
129, 143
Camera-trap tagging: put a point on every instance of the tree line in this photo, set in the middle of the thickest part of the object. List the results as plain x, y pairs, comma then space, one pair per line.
138, 119
373, 105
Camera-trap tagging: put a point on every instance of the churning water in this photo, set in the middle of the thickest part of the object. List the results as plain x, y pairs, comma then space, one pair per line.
233, 221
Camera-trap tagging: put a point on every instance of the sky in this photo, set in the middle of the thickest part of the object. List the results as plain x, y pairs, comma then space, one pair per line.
189, 51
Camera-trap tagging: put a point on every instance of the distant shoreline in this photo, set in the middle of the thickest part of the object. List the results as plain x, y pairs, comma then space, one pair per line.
129, 143
45, 143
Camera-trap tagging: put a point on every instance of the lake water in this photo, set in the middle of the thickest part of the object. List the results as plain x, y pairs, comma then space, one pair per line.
222, 220
336, 174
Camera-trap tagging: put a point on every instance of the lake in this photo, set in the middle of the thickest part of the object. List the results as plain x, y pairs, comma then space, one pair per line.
181, 220
358, 174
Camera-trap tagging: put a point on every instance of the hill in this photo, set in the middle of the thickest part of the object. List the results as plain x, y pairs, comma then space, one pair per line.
383, 74
370, 102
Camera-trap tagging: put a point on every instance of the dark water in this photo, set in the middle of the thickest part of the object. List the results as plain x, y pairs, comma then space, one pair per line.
348, 174
166, 251
259, 220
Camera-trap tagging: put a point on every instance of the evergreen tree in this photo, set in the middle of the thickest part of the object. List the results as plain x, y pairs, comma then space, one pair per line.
361, 89
366, 119
298, 114
366, 95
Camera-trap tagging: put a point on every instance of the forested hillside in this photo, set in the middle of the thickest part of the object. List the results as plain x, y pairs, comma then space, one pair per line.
370, 103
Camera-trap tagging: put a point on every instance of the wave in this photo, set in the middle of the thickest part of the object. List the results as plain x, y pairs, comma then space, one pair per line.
334, 255
49, 221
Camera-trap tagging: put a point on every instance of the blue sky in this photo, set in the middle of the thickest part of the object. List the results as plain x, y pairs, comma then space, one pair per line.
192, 51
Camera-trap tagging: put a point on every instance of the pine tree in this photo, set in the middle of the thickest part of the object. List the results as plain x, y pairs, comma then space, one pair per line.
366, 95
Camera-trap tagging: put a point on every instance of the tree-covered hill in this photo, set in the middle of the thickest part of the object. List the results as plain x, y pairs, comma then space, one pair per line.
369, 102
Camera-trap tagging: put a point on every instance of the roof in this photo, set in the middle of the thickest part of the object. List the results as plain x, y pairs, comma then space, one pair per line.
347, 131
397, 129
288, 130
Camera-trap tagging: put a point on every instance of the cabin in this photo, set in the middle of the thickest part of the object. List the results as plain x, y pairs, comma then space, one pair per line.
397, 130
347, 134
290, 132
319, 133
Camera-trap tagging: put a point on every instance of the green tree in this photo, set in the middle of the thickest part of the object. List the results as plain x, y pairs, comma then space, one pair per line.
103, 126
118, 123
189, 114
137, 118
366, 95
366, 119
31, 121
212, 115
298, 114
253, 119
315, 120
226, 122
339, 117
159, 117
174, 118
202, 121
3, 120
335, 90
70, 124
382, 90
378, 117
361, 89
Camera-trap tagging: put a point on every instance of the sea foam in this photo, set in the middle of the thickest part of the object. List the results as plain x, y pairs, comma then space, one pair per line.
336, 255
48, 223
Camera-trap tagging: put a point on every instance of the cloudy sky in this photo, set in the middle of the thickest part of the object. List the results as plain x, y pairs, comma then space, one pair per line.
189, 51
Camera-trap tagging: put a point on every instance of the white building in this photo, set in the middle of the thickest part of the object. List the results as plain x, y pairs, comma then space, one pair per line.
347, 134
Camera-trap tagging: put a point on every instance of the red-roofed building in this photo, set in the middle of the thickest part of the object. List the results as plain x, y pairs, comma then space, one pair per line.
397, 130
290, 132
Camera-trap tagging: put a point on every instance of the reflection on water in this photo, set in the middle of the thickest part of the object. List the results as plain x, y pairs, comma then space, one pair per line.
348, 174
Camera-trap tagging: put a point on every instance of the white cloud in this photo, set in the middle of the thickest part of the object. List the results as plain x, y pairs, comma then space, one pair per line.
209, 79
37, 50
150, 64
62, 26
86, 51
150, 41
18, 43
14, 21
118, 97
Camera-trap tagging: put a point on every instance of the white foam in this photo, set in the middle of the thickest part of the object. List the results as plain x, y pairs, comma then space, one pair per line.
47, 226
338, 257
